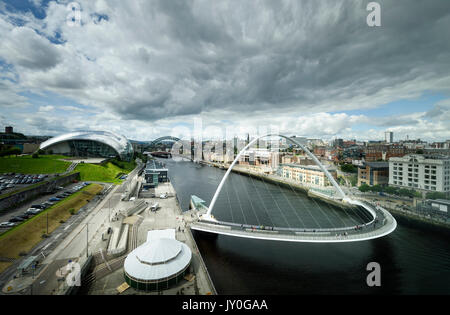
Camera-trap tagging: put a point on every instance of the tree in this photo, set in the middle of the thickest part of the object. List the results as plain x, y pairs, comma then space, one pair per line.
408, 193
437, 195
348, 168
11, 151
376, 188
391, 190
364, 188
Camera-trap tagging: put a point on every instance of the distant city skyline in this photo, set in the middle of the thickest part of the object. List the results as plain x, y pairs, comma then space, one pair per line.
309, 68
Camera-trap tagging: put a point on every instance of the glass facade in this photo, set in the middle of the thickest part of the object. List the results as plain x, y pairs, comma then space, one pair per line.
91, 144
86, 148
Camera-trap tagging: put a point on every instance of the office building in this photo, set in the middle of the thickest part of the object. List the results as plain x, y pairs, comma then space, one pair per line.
424, 172
373, 173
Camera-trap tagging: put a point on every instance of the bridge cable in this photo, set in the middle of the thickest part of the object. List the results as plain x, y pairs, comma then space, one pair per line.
276, 203
305, 206
262, 201
229, 203
240, 204
320, 209
284, 194
250, 199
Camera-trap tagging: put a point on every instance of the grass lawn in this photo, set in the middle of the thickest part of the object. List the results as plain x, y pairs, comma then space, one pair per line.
4, 266
24, 237
45, 164
107, 173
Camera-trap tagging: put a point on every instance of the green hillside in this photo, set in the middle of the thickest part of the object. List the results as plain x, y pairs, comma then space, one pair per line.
45, 164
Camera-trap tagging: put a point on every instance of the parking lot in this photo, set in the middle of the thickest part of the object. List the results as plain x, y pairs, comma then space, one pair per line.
12, 181
24, 212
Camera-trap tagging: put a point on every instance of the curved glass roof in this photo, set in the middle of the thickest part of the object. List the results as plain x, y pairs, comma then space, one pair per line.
118, 142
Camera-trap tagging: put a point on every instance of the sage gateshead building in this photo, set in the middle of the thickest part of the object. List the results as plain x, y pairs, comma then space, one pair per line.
90, 144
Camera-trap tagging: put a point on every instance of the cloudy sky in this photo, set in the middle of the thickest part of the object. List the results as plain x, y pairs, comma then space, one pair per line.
147, 68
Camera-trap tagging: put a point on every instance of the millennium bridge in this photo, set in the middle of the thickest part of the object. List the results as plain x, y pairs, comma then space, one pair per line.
381, 222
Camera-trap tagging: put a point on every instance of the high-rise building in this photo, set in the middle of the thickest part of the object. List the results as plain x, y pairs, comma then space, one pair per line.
9, 130
389, 137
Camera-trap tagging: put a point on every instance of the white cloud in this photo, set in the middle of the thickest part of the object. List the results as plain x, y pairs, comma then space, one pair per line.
150, 63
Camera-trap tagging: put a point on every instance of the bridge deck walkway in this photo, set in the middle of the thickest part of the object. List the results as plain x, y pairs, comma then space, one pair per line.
383, 225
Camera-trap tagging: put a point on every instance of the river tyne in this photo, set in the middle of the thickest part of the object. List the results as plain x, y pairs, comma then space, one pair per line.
413, 260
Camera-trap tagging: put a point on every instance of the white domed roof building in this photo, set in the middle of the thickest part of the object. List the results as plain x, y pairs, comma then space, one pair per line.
157, 264
90, 144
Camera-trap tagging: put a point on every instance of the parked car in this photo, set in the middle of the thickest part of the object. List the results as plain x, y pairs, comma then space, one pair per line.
54, 199
34, 211
16, 219
7, 224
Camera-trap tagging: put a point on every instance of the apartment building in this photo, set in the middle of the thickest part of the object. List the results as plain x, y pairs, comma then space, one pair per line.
307, 174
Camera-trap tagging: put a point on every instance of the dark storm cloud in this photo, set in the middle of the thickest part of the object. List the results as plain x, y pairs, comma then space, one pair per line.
301, 53
160, 59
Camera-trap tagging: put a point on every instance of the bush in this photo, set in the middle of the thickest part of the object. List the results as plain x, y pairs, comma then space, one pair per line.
376, 188
72, 211
437, 195
10, 151
391, 190
364, 188
35, 156
348, 168
409, 193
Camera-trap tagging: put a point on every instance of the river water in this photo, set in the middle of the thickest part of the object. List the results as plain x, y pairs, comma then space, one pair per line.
413, 260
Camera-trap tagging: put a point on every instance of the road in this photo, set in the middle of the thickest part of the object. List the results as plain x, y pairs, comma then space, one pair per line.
69, 240
6, 215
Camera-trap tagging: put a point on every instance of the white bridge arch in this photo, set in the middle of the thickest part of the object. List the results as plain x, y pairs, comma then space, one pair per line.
312, 156
381, 224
